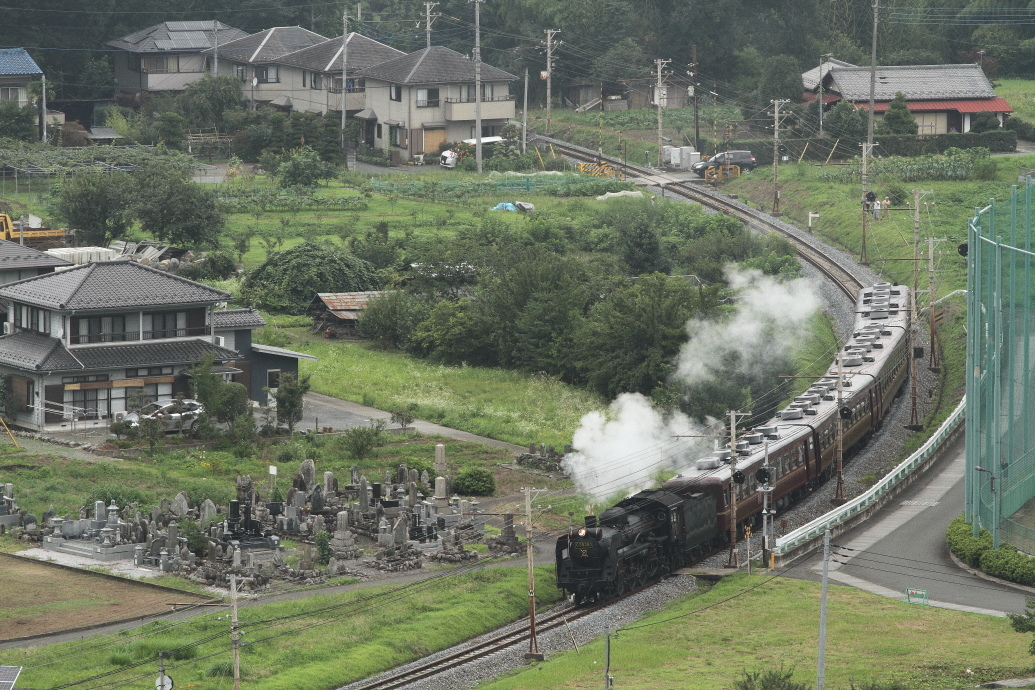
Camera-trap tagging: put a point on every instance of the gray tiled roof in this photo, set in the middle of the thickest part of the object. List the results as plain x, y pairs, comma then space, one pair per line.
811, 78
233, 319
110, 285
14, 256
434, 65
16, 62
42, 353
326, 57
917, 82
270, 45
177, 36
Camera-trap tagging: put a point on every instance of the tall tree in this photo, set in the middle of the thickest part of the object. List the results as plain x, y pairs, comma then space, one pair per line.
897, 119
290, 397
96, 205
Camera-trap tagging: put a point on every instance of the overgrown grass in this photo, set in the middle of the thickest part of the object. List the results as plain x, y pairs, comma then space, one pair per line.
688, 645
325, 642
1020, 94
506, 405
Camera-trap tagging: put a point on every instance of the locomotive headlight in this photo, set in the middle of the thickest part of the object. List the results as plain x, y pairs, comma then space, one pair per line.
582, 532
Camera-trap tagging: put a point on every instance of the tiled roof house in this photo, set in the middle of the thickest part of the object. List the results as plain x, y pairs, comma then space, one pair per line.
78, 344
17, 69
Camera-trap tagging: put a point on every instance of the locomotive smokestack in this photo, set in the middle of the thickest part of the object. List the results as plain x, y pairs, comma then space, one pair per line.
591, 521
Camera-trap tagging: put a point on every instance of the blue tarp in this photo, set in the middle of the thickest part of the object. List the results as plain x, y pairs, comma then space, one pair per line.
504, 206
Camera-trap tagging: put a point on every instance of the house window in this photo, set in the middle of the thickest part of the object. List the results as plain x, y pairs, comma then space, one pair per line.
241, 72
379, 135
91, 403
397, 135
148, 371
100, 329
273, 378
395, 92
427, 98
355, 85
32, 318
303, 78
468, 91
160, 64
9, 93
268, 74
316, 82
169, 324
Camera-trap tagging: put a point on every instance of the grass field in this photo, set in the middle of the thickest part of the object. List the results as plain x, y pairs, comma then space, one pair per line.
322, 641
705, 642
1020, 94
71, 599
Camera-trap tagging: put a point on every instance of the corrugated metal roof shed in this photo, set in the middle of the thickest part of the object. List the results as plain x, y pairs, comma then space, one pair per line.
344, 305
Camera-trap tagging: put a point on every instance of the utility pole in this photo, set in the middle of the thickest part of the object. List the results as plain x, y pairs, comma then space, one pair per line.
734, 557
873, 78
344, 78
824, 56
696, 86
235, 634
914, 414
428, 6
550, 33
839, 490
867, 149
43, 103
933, 322
776, 154
215, 47
533, 642
477, 84
660, 64
766, 490
823, 611
524, 117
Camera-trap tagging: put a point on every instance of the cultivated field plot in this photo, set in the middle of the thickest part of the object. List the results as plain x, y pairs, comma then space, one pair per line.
38, 598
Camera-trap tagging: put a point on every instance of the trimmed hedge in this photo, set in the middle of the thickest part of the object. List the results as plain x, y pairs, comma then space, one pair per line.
1023, 128
819, 149
1005, 562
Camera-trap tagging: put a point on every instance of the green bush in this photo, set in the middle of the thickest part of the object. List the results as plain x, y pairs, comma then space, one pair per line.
962, 542
1023, 128
323, 547
769, 680
1010, 564
120, 493
474, 481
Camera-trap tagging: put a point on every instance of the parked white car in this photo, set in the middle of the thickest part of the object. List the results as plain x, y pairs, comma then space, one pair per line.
175, 415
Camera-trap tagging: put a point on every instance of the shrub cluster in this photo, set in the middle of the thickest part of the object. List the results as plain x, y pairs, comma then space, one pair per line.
474, 481
1005, 562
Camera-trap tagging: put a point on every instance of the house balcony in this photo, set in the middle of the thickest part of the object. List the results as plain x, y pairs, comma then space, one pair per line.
356, 99
134, 336
501, 108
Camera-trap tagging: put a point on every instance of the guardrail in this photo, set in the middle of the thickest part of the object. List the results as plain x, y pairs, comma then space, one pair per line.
809, 536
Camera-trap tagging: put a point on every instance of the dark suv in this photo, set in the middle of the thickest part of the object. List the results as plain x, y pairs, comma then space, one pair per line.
744, 159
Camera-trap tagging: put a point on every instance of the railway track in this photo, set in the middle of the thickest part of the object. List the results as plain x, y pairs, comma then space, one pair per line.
847, 280
511, 636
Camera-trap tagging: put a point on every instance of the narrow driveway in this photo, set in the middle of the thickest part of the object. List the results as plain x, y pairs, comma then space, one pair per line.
903, 547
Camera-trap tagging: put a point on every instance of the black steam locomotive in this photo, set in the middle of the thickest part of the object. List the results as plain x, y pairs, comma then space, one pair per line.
655, 531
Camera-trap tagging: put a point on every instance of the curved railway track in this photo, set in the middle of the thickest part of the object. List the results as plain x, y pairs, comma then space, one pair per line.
511, 636
847, 280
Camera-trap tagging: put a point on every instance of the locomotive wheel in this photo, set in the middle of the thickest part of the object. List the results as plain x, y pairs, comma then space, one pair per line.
578, 599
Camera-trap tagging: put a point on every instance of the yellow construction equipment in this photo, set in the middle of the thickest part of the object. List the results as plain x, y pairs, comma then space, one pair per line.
35, 237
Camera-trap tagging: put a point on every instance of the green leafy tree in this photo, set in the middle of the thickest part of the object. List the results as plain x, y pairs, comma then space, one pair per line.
392, 318
303, 168
897, 118
288, 280
171, 131
631, 337
18, 123
323, 547
845, 122
175, 210
153, 433
780, 80
94, 81
290, 397
206, 102
97, 205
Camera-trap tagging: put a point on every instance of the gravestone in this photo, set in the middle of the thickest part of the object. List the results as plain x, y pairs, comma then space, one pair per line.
208, 511
411, 500
317, 500
98, 511
330, 484
289, 500
364, 500
441, 497
401, 530
440, 459
414, 476
354, 477
180, 505
308, 472
388, 478
404, 474
425, 478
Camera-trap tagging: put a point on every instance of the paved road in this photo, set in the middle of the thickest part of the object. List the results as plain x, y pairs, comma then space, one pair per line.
903, 546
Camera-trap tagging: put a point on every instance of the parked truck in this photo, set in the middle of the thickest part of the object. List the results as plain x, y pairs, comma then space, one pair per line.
20, 232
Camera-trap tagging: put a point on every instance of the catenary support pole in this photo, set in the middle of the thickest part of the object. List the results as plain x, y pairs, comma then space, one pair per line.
823, 612
477, 84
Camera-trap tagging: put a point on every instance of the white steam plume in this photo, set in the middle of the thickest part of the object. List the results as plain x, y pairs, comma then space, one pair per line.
769, 320
623, 448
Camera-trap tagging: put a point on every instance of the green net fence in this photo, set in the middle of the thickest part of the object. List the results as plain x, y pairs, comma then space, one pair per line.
1000, 457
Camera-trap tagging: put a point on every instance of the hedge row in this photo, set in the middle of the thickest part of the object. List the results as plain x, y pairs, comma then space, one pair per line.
1005, 562
1023, 128
816, 149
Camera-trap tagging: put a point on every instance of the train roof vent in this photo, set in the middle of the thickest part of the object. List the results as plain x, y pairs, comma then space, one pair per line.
792, 413
885, 331
742, 444
882, 286
766, 430
878, 314
754, 438
852, 361
708, 463
856, 346
724, 453
812, 410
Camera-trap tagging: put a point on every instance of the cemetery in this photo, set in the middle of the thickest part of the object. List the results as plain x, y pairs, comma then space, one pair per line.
322, 527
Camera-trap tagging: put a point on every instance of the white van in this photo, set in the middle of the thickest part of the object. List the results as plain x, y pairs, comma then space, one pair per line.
450, 158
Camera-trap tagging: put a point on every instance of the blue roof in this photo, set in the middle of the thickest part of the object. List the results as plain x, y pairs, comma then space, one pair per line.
17, 61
